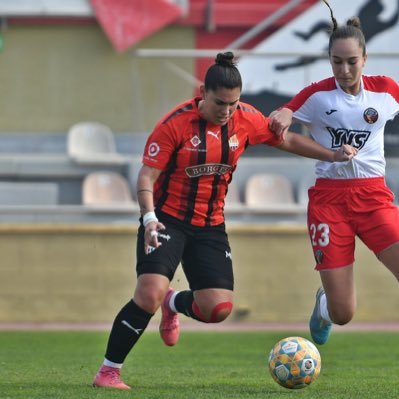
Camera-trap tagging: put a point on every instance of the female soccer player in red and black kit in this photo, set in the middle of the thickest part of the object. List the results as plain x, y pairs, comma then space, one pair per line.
349, 199
188, 163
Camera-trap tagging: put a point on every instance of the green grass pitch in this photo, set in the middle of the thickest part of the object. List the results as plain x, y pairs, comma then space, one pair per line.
204, 365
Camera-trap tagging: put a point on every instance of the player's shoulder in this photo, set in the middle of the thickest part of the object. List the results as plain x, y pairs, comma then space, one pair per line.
245, 107
380, 83
321, 88
180, 112
325, 85
247, 110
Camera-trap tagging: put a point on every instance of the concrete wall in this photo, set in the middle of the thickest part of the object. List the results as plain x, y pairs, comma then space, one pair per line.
83, 273
53, 76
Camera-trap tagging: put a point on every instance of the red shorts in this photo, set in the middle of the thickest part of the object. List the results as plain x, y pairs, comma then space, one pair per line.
339, 210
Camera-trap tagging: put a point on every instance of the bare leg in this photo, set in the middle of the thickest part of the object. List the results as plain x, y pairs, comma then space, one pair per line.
150, 291
340, 291
208, 299
390, 258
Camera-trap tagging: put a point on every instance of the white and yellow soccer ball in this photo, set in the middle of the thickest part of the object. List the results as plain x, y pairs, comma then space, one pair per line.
294, 362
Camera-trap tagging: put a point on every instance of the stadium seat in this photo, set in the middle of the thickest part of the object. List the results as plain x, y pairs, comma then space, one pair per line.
93, 143
263, 190
28, 193
106, 188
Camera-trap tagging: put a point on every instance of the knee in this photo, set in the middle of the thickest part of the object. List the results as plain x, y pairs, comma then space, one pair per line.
221, 312
216, 314
149, 300
342, 317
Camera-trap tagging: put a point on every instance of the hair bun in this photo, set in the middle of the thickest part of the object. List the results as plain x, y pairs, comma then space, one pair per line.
225, 59
355, 21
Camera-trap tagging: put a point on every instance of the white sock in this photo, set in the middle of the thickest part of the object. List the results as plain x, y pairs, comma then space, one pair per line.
172, 301
112, 364
323, 308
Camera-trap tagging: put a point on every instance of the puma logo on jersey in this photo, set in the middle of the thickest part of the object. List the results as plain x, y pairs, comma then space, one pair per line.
355, 138
216, 135
331, 111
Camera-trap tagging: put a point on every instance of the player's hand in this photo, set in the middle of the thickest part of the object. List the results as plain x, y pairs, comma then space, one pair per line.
280, 121
345, 153
151, 236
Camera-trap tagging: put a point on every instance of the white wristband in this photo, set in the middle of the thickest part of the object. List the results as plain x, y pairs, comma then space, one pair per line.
149, 217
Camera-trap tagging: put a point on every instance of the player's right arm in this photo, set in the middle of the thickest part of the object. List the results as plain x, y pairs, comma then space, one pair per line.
145, 196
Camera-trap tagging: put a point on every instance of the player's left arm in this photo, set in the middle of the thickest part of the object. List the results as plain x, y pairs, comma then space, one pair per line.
306, 147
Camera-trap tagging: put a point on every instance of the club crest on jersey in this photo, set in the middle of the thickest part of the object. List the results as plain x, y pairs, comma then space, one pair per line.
207, 169
153, 149
370, 115
195, 141
233, 143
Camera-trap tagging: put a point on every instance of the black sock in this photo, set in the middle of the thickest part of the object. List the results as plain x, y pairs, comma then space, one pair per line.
128, 326
184, 304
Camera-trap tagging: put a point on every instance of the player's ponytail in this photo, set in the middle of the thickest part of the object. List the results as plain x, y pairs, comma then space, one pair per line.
223, 73
352, 29
334, 21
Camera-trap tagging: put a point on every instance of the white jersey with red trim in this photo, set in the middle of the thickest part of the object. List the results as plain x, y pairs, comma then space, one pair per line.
334, 118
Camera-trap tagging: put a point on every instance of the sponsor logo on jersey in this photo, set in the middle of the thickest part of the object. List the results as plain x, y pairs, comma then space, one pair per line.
331, 111
207, 169
214, 134
370, 115
153, 149
340, 136
233, 143
195, 141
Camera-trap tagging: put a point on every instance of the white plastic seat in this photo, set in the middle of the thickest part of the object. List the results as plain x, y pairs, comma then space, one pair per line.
265, 189
92, 143
106, 188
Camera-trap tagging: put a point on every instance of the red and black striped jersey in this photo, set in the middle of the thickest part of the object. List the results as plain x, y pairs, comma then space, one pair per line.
198, 158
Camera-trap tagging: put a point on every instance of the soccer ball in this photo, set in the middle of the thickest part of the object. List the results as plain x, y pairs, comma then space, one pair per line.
294, 362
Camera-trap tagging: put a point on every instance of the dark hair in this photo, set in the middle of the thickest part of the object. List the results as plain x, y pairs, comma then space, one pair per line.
352, 29
223, 73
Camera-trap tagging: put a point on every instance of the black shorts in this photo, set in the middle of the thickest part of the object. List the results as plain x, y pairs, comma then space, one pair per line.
204, 253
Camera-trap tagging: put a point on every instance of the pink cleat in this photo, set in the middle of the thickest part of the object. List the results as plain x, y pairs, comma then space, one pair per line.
169, 327
109, 377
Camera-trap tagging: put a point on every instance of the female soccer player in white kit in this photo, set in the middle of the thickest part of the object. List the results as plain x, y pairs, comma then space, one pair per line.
348, 199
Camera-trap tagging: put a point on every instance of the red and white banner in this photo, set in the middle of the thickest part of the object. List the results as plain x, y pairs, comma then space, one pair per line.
126, 22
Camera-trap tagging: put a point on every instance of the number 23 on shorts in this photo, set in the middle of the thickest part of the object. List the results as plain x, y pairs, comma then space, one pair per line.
319, 234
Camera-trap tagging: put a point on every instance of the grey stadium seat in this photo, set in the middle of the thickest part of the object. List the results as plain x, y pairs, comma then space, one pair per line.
106, 188
92, 143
